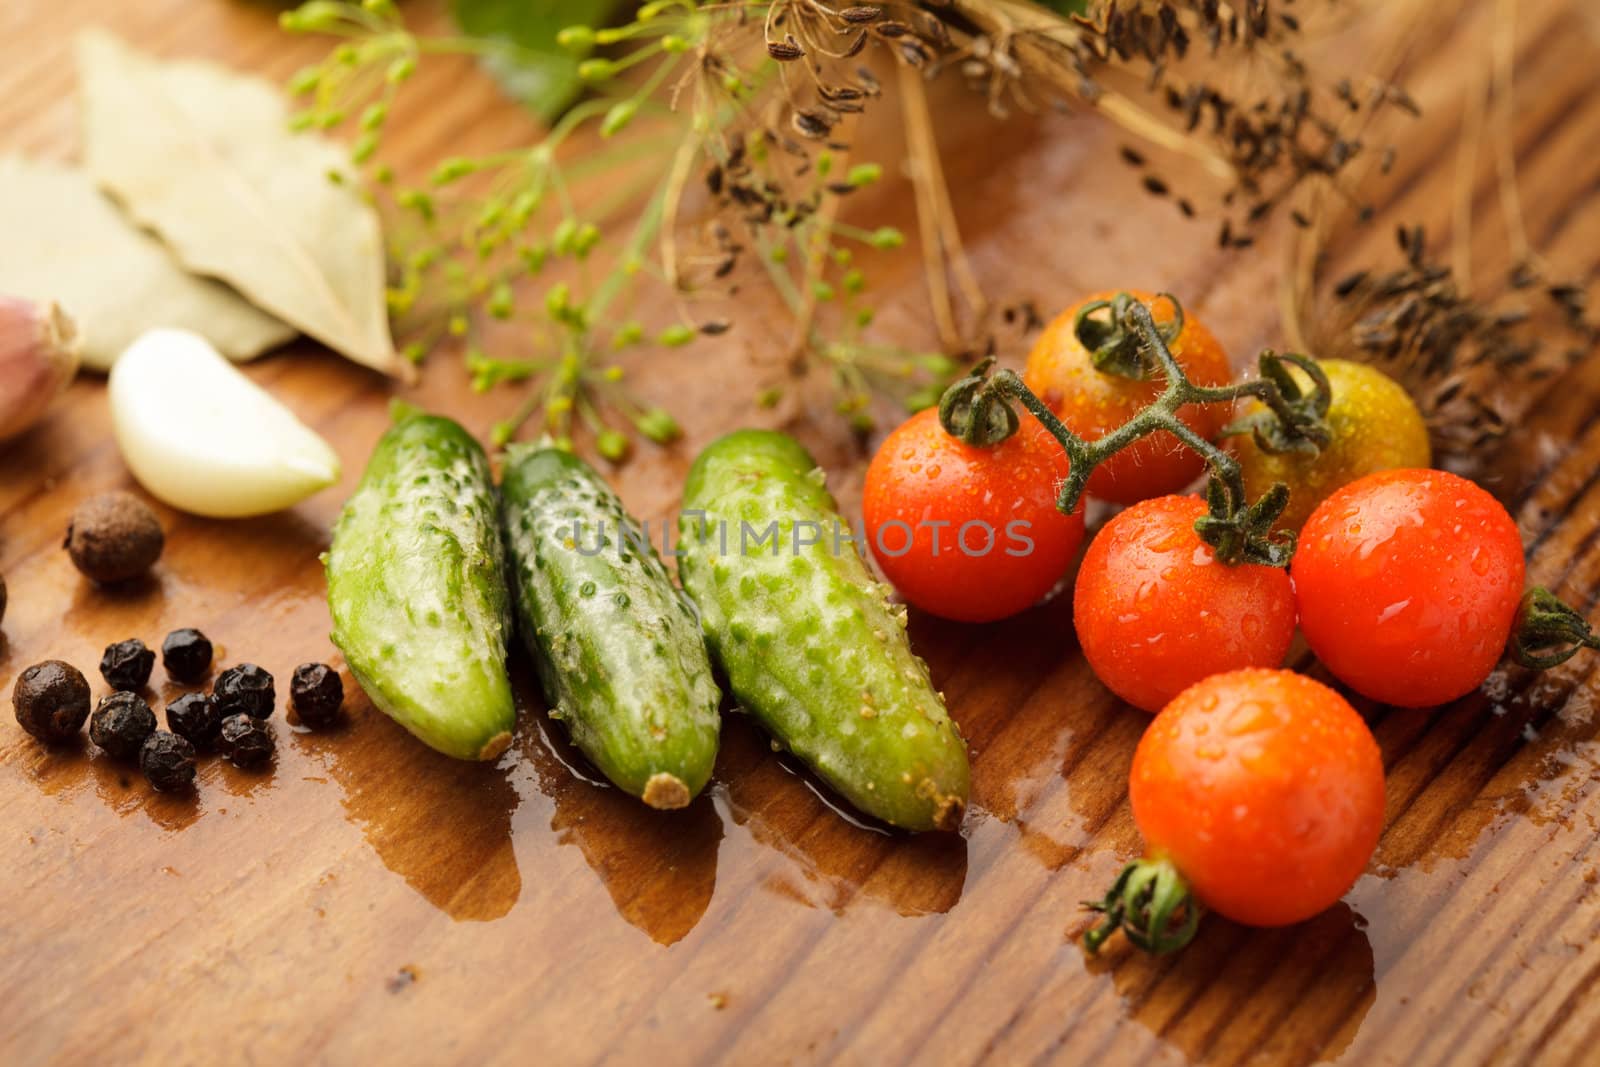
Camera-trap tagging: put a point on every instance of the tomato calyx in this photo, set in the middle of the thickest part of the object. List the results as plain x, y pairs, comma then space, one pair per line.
1151, 904
1547, 632
1246, 534
974, 409
1300, 422
1113, 340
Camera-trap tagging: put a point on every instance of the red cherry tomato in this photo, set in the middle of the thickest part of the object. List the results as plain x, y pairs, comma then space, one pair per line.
1093, 403
1265, 790
1407, 583
969, 533
1155, 611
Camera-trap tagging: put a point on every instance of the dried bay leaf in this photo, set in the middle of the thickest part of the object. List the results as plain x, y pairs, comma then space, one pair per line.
203, 156
62, 240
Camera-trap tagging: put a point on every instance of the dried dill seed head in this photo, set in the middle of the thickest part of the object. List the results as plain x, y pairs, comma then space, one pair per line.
1473, 366
1245, 88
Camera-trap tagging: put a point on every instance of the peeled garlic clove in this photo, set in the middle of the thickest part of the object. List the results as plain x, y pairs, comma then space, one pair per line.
38, 358
205, 439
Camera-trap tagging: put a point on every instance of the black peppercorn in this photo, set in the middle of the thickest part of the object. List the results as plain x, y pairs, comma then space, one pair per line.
195, 716
114, 537
120, 724
186, 654
247, 689
246, 740
127, 664
167, 760
317, 693
51, 700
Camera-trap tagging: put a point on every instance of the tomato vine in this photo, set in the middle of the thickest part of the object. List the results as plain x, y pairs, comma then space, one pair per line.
1127, 341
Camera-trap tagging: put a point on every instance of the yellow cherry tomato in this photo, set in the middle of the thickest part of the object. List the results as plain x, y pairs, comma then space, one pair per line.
1375, 426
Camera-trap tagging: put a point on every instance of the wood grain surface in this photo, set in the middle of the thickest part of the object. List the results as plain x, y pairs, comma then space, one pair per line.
368, 901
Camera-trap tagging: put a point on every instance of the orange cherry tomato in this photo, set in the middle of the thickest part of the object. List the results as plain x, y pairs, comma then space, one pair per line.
1155, 611
969, 533
1408, 583
1093, 403
1264, 789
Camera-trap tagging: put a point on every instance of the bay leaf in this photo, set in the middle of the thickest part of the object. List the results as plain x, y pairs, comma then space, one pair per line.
62, 240
203, 156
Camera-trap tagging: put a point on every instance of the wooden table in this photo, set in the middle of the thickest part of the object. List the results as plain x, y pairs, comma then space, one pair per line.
367, 900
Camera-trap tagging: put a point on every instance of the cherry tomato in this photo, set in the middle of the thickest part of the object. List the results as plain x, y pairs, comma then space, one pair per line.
1155, 611
1265, 789
1093, 403
969, 533
1375, 425
1407, 583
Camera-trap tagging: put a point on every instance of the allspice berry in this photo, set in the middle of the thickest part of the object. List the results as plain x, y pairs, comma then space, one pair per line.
114, 537
51, 700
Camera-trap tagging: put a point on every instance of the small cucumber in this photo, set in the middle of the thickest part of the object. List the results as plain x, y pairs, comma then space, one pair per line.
416, 587
618, 648
807, 638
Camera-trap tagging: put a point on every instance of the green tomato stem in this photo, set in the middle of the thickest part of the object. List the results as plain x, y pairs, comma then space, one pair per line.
977, 410
1547, 632
1112, 347
1151, 903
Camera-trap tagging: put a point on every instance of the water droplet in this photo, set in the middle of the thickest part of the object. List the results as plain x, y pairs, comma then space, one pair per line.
1393, 609
1250, 626
586, 589
1249, 717
1170, 540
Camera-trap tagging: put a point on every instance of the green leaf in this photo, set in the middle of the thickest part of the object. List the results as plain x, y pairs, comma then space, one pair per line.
542, 74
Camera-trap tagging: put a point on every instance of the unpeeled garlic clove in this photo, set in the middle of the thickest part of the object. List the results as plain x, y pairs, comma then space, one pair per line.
39, 348
204, 438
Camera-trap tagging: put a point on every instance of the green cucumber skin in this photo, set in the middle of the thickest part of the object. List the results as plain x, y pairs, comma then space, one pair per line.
618, 648
417, 591
808, 640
